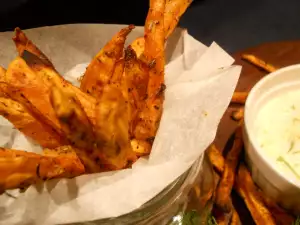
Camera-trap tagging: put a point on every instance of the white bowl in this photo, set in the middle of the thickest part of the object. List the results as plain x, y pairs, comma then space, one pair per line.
264, 171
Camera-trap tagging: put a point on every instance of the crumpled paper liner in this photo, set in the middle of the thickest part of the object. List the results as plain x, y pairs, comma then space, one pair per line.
200, 83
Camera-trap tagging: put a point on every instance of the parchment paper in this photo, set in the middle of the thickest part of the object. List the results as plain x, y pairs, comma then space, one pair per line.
200, 82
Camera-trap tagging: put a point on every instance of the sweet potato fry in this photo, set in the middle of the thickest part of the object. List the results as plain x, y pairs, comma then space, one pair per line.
239, 97
216, 158
112, 128
22, 119
24, 44
173, 11
137, 76
32, 92
280, 215
31, 84
19, 169
247, 190
259, 63
138, 45
224, 188
149, 117
50, 76
3, 85
102, 66
75, 124
235, 219
238, 115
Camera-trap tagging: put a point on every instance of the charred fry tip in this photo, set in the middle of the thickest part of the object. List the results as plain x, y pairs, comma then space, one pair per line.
17, 31
125, 31
130, 53
131, 26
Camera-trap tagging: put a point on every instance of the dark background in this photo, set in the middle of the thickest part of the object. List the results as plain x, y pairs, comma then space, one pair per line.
234, 24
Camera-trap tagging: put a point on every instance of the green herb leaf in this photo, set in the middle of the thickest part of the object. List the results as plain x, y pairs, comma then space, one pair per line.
288, 165
297, 221
291, 146
191, 218
211, 220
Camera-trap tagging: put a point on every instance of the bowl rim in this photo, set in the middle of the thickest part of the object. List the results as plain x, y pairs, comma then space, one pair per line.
250, 134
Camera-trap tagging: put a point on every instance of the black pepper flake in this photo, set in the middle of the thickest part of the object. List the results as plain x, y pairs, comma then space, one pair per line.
150, 140
161, 90
156, 107
38, 171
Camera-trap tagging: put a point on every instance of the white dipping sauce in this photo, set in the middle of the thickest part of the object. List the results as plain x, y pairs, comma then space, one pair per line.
277, 129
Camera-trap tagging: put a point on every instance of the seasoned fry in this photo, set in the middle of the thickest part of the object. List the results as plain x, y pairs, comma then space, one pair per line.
20, 169
173, 11
259, 63
102, 66
22, 119
239, 97
235, 219
224, 188
238, 115
50, 76
139, 46
24, 44
31, 85
75, 124
280, 215
2, 74
3, 85
137, 76
112, 128
32, 92
149, 117
216, 158
247, 190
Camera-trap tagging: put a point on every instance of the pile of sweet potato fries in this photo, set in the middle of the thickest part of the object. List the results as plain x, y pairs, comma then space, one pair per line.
232, 174
106, 124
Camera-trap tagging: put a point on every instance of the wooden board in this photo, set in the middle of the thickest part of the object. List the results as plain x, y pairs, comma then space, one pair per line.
279, 54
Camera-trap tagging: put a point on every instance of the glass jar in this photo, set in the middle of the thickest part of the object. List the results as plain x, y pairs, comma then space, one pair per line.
187, 201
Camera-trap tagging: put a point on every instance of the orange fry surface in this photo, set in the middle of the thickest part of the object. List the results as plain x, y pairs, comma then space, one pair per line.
22, 119
238, 115
239, 97
224, 188
101, 68
23, 43
137, 76
20, 169
173, 11
216, 158
259, 62
149, 117
246, 188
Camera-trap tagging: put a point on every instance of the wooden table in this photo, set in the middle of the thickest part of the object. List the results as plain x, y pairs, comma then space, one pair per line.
279, 54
